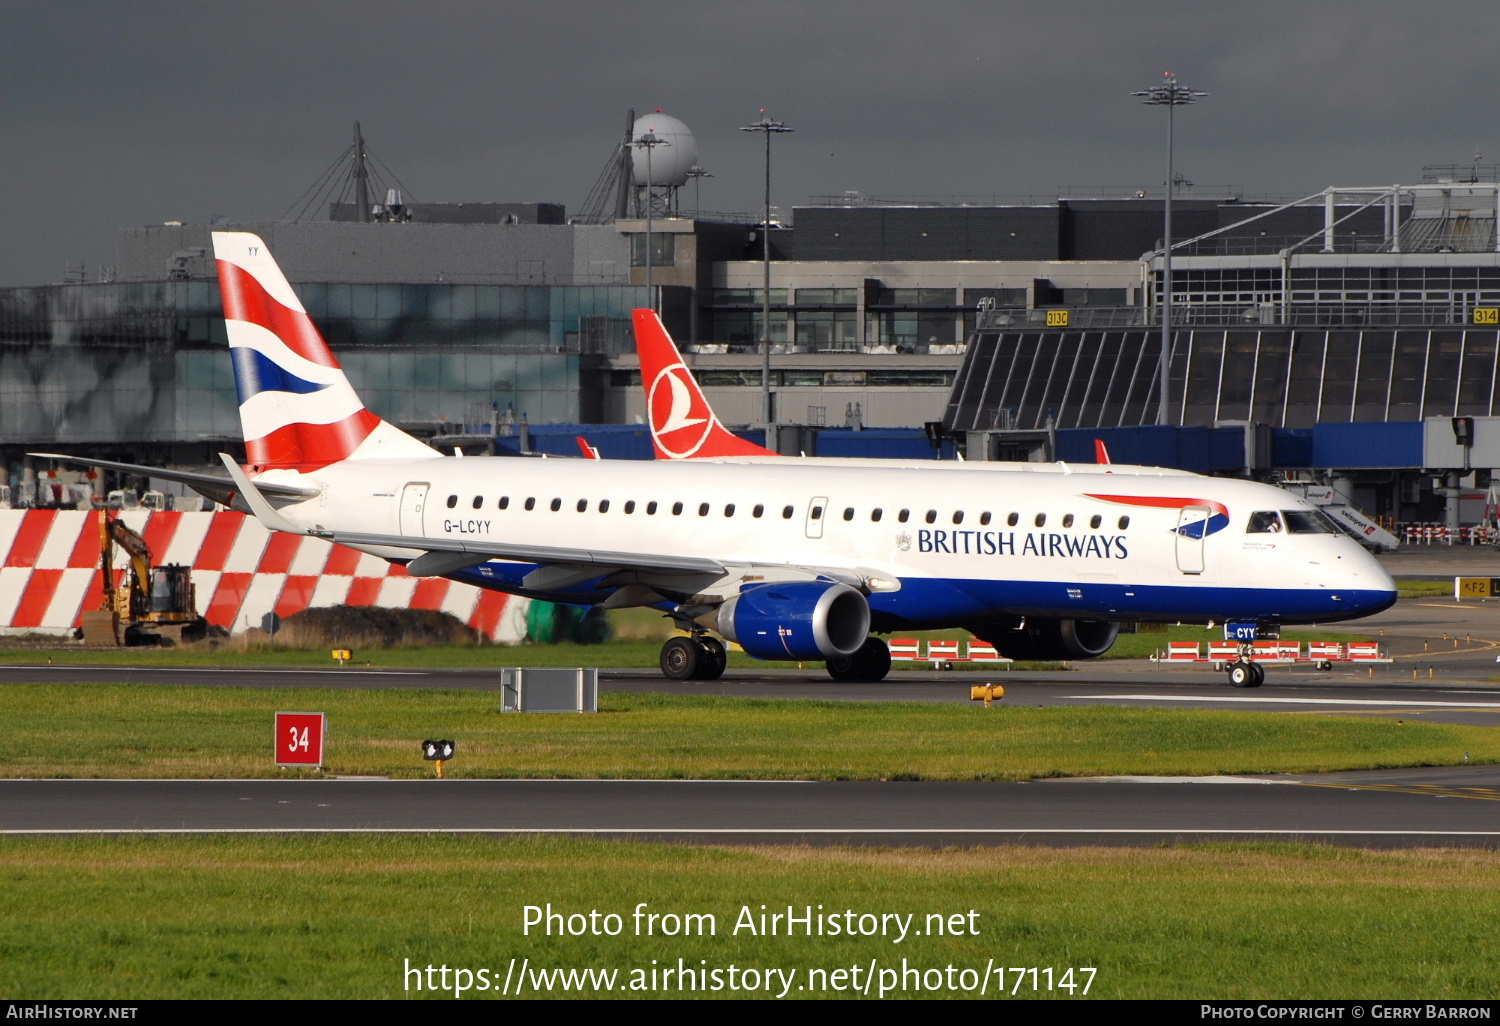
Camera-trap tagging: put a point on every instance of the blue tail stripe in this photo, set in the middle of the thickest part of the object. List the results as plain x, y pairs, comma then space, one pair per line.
254, 372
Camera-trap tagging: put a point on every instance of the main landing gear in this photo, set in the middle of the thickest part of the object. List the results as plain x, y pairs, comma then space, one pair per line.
697, 658
868, 664
1244, 674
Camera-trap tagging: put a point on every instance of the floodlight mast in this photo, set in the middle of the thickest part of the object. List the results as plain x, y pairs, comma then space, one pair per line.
766, 126
648, 141
1171, 96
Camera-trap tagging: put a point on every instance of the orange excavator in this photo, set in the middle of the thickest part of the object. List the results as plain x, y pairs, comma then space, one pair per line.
150, 605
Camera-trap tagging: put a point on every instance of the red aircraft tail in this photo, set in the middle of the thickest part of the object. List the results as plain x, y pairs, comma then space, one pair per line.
683, 425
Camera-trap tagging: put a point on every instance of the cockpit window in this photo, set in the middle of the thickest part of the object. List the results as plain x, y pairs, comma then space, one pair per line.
1266, 521
1306, 522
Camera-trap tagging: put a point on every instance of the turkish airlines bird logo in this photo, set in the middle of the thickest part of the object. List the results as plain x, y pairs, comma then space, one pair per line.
680, 418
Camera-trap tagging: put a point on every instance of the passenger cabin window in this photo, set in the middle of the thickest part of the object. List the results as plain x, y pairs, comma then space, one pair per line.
849, 513
530, 503
556, 505
729, 509
758, 511
452, 501
958, 517
677, 509
583, 505
786, 512
651, 509
603, 505
1041, 520
1306, 521
703, 509
479, 502
505, 502
931, 517
1013, 519
904, 515
875, 515
629, 506
1068, 520
984, 519
1264, 521
1124, 523
1095, 521
817, 513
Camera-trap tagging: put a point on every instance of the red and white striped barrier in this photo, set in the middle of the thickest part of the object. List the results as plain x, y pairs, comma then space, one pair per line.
1319, 653
49, 573
942, 653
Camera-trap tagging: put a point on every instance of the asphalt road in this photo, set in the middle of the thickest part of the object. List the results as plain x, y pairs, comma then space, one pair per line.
1372, 809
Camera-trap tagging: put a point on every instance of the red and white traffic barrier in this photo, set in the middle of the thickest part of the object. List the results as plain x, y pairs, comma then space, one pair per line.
50, 575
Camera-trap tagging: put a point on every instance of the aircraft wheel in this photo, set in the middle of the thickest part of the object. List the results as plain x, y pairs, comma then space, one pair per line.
1241, 674
715, 658
869, 663
1258, 675
682, 659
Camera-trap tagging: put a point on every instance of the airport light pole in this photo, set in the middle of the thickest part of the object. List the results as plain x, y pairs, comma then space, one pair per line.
768, 127
1171, 96
648, 142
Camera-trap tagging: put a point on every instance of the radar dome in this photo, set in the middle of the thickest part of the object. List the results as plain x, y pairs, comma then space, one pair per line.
670, 163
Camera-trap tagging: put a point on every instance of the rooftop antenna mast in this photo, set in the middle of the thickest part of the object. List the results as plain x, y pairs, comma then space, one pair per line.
626, 171
361, 178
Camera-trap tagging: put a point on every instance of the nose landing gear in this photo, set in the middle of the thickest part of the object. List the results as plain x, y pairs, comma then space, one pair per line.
1246, 675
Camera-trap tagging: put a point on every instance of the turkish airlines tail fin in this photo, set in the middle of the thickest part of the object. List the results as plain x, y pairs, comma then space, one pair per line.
683, 426
297, 409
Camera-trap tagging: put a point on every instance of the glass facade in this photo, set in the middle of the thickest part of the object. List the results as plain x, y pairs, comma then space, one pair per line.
146, 361
1291, 378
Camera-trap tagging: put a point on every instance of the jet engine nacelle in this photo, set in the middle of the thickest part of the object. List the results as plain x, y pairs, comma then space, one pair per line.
1050, 640
796, 620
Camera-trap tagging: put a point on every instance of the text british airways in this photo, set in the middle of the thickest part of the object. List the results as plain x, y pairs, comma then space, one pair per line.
1032, 543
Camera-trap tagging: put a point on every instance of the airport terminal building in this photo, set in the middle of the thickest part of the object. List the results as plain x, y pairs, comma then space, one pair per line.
1013, 325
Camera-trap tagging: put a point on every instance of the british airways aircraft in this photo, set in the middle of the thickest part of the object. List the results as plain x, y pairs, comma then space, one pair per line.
790, 559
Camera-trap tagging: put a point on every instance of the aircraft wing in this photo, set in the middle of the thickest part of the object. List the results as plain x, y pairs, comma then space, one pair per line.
219, 489
605, 561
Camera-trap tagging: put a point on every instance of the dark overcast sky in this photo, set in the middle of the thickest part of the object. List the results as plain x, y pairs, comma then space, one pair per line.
121, 114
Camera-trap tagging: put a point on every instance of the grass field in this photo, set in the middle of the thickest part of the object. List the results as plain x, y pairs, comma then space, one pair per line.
127, 730
343, 917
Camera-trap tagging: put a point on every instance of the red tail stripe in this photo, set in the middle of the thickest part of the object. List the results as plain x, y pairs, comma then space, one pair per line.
311, 446
246, 300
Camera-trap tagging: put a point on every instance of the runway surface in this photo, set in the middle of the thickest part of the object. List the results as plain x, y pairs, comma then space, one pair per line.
1435, 678
1373, 809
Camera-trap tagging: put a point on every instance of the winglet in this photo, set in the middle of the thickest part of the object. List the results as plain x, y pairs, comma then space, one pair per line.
259, 505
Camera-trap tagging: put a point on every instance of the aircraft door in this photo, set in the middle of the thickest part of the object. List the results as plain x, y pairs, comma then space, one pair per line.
413, 501
1192, 530
817, 511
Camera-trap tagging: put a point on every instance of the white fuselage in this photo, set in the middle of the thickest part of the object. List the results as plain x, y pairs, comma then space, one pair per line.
962, 545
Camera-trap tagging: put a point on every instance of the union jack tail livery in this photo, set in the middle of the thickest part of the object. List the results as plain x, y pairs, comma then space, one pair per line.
683, 425
297, 408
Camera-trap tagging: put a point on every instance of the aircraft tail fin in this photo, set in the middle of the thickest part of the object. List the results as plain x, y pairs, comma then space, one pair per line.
297, 409
1101, 454
683, 425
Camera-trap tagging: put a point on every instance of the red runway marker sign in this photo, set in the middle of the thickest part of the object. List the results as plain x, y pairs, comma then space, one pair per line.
299, 738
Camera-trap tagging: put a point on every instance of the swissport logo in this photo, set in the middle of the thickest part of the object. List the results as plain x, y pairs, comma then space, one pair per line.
1217, 520
680, 418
